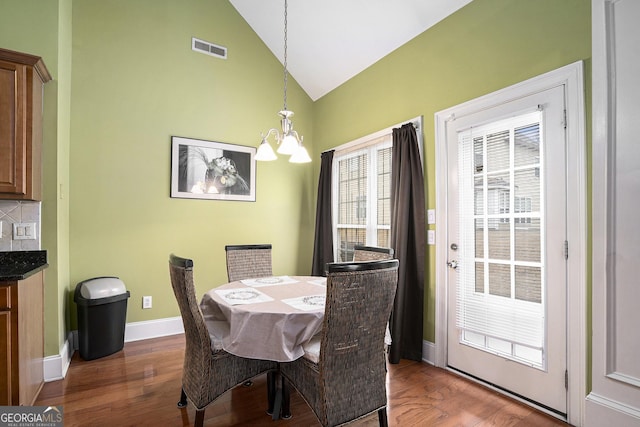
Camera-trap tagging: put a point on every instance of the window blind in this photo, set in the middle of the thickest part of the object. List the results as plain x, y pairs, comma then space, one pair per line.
500, 278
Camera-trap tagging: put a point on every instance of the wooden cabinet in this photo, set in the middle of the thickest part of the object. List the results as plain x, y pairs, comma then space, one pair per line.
21, 340
22, 77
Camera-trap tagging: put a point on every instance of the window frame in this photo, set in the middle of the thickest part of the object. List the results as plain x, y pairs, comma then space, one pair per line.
371, 225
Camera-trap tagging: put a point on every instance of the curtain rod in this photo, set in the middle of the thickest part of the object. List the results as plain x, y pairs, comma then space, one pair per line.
416, 122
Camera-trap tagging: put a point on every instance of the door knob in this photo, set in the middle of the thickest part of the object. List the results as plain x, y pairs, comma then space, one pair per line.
453, 264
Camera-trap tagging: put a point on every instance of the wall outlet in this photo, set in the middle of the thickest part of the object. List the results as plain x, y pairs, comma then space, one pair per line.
147, 302
431, 237
24, 231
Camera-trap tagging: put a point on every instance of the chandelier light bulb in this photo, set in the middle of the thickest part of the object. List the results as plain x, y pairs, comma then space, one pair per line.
265, 152
300, 156
289, 144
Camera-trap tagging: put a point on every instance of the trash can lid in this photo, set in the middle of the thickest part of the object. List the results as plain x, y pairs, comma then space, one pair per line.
102, 287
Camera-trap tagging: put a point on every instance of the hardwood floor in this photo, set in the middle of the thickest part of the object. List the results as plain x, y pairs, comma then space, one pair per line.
140, 386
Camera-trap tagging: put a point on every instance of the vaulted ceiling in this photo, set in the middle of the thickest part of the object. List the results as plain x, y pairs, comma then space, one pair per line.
330, 41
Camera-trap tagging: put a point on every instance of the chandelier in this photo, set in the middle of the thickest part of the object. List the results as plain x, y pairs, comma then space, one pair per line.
288, 140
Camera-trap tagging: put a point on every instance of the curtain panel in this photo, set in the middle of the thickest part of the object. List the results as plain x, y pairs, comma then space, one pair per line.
323, 242
408, 241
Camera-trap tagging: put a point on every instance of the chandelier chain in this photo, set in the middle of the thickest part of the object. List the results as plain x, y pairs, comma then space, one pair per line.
286, 73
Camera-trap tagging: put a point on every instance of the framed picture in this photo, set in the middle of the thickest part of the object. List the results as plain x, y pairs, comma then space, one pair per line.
212, 170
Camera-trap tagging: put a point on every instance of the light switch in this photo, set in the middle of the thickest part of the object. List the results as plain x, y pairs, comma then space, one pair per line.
431, 237
431, 216
24, 231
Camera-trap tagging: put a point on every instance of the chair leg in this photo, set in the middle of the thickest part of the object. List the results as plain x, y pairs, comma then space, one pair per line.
382, 417
183, 399
199, 418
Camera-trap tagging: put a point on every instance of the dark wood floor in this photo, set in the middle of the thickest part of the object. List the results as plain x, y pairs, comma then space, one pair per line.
140, 386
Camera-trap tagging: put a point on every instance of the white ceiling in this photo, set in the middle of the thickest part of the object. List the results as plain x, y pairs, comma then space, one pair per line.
330, 41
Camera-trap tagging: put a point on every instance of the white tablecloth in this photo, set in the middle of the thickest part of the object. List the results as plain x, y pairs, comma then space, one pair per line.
269, 318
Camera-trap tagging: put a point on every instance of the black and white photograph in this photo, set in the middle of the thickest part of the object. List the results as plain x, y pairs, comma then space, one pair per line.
212, 170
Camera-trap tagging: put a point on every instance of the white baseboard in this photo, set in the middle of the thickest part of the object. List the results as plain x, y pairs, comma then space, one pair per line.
145, 330
600, 411
428, 352
55, 367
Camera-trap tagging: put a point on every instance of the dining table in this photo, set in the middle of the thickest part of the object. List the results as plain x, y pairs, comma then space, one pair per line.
269, 318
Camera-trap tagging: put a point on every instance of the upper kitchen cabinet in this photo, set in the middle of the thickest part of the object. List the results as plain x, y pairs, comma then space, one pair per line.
22, 77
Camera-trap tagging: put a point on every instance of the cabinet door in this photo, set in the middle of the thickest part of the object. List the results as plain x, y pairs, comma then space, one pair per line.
5, 358
13, 141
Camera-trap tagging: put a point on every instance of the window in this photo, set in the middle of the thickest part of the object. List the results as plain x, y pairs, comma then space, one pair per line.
362, 196
522, 205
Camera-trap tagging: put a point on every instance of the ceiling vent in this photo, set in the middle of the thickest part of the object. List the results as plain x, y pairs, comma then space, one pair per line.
208, 48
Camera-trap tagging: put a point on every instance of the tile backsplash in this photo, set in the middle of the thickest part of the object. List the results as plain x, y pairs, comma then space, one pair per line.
11, 212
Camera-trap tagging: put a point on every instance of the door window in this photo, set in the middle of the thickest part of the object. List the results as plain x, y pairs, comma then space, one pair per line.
500, 292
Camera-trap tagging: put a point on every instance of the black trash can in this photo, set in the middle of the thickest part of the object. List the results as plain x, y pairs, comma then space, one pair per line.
102, 313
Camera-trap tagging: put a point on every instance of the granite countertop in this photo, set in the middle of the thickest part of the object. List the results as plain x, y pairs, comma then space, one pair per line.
18, 265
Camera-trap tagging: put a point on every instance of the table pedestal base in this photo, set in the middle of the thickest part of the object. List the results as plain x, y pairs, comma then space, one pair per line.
278, 396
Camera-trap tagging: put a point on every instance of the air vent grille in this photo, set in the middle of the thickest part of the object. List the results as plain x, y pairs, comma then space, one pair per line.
208, 48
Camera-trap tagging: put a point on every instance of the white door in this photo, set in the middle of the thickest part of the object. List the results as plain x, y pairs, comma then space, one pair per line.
506, 240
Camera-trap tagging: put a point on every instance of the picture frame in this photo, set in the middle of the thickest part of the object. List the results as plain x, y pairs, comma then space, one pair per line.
202, 169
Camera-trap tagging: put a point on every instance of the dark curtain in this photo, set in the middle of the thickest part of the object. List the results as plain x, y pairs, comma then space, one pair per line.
323, 243
407, 239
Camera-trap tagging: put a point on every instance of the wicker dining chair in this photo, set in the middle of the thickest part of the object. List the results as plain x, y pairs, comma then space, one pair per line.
371, 253
208, 370
342, 375
248, 261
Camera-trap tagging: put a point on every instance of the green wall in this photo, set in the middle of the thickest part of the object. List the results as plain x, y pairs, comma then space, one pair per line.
126, 80
136, 82
485, 46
